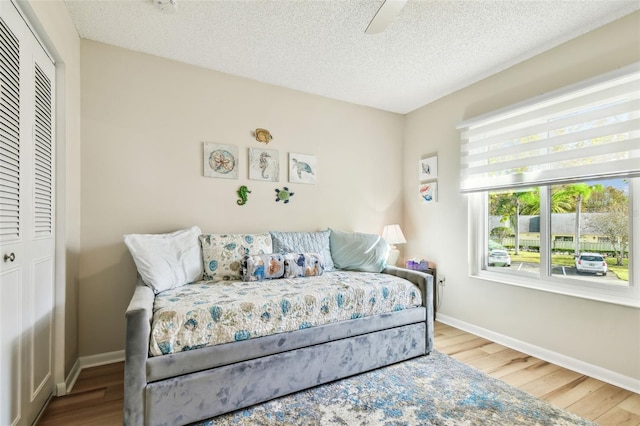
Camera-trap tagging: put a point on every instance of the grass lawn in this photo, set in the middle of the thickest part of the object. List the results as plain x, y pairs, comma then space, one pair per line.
622, 272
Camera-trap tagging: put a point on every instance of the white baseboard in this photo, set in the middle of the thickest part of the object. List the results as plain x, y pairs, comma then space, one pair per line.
101, 359
65, 387
87, 362
608, 376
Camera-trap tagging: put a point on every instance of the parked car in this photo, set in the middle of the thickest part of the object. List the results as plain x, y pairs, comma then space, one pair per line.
591, 262
499, 257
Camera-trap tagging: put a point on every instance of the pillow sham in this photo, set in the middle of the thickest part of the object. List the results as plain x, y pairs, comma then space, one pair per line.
260, 267
166, 261
223, 253
356, 251
304, 242
302, 265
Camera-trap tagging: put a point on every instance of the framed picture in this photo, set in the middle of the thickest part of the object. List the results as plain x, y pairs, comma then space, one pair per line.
220, 161
302, 168
428, 168
264, 164
428, 192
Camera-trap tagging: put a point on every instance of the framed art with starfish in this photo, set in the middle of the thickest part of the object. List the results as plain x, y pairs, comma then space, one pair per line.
220, 161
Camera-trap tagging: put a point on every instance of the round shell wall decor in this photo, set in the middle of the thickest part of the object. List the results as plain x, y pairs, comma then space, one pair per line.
263, 135
283, 194
222, 161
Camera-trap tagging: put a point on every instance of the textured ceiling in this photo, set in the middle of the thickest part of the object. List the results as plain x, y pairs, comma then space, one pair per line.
431, 49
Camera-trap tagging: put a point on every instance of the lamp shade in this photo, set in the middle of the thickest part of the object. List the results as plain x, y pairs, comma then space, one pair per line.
392, 234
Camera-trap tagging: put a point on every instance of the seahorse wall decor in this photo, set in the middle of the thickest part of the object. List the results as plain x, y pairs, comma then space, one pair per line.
242, 193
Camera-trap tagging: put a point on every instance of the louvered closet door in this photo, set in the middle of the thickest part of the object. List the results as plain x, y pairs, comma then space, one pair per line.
27, 235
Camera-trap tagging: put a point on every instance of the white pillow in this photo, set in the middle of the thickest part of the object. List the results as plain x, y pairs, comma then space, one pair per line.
166, 261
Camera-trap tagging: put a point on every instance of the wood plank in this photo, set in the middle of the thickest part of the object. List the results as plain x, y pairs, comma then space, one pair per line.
599, 402
618, 417
446, 330
632, 403
573, 392
447, 341
59, 406
516, 365
493, 348
105, 375
529, 374
475, 343
550, 382
468, 356
493, 362
478, 353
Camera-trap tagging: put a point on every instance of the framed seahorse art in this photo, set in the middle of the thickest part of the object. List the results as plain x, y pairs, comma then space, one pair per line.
264, 164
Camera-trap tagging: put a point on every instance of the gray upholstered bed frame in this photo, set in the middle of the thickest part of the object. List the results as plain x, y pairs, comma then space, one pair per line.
189, 386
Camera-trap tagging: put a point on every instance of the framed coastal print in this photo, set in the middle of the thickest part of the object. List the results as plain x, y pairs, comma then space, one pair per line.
302, 168
428, 192
264, 164
428, 168
220, 161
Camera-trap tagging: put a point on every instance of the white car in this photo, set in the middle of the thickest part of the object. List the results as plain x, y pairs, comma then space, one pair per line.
591, 262
499, 257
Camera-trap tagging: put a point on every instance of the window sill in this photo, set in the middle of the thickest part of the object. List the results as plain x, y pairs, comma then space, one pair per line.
623, 296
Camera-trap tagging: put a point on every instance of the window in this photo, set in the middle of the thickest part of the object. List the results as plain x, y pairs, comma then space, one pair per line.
589, 217
552, 183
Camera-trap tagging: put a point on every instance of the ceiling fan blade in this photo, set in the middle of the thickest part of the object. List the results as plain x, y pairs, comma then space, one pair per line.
387, 12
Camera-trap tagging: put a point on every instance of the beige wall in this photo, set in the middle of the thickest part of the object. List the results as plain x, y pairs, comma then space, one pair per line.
144, 120
600, 334
53, 23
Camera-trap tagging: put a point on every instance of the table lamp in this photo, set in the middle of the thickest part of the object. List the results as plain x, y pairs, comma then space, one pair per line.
392, 234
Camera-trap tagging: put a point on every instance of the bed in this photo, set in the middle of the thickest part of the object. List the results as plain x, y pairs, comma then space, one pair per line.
212, 346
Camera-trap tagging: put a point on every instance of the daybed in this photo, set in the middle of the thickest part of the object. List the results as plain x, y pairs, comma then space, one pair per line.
173, 376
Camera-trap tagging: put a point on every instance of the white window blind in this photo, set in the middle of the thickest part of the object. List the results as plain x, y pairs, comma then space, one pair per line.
588, 130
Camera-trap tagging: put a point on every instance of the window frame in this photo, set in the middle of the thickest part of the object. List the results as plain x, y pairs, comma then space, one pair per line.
575, 287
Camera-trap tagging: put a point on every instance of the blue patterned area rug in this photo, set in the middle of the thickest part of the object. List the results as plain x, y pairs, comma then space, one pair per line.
430, 390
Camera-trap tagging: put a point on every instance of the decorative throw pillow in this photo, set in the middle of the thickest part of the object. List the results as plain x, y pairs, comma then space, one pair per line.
222, 253
302, 265
260, 267
358, 252
166, 261
304, 242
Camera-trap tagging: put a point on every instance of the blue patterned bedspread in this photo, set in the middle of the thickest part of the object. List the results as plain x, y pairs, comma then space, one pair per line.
208, 313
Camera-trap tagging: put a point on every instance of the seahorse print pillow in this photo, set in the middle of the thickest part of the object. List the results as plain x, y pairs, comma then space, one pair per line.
222, 253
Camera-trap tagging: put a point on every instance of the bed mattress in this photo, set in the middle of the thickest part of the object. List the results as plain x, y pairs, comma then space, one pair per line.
207, 313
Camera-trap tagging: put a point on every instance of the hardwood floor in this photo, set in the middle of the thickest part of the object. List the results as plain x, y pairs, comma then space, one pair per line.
589, 398
96, 398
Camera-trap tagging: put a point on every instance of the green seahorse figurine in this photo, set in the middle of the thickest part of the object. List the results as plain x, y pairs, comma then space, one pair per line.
242, 193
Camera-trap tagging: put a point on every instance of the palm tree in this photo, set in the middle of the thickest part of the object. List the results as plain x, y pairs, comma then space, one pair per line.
574, 195
509, 206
